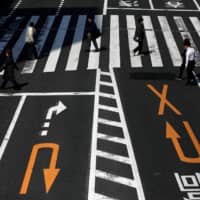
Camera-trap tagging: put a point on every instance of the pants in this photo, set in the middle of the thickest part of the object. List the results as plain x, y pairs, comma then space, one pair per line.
3, 85
31, 51
139, 47
94, 42
181, 70
190, 68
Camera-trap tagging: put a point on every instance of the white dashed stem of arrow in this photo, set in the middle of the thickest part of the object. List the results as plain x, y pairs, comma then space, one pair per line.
59, 108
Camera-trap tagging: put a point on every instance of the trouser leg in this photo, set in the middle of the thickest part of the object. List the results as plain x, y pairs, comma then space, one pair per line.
35, 51
140, 46
95, 43
181, 71
190, 75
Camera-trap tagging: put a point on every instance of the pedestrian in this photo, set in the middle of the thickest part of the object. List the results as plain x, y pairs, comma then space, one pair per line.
182, 67
189, 61
30, 42
9, 67
139, 36
92, 33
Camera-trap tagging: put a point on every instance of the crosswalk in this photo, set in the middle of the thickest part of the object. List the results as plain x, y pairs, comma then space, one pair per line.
60, 36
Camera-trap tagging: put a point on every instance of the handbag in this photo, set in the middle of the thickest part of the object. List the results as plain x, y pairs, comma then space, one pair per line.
97, 33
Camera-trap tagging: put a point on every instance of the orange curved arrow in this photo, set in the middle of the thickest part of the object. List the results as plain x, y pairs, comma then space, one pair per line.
172, 134
50, 173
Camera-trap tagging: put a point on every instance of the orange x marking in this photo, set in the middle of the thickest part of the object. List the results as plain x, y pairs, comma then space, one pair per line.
163, 99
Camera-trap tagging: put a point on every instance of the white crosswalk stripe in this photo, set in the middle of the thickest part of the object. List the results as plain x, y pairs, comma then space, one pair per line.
93, 62
73, 59
21, 41
114, 42
114, 52
30, 65
152, 43
57, 45
186, 34
170, 41
135, 60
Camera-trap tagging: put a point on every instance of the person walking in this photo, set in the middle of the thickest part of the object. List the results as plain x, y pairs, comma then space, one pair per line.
139, 36
92, 33
30, 42
9, 67
189, 61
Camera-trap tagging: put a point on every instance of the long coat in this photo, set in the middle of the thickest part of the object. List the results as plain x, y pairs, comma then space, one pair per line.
9, 67
139, 32
92, 29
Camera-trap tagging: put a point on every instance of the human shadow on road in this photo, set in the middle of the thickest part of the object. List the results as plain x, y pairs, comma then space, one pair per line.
152, 76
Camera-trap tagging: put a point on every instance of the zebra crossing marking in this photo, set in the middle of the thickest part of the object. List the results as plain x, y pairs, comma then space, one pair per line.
111, 138
72, 63
134, 180
186, 34
12, 28
115, 178
57, 45
29, 66
21, 41
170, 41
114, 53
136, 61
93, 61
152, 43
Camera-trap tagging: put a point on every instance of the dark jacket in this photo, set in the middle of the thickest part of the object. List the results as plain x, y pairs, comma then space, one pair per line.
92, 29
139, 32
9, 67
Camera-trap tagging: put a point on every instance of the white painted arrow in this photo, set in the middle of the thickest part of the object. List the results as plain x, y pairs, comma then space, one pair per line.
60, 107
175, 4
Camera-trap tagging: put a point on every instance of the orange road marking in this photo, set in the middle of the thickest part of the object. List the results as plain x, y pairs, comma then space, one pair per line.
192, 136
50, 173
163, 99
172, 134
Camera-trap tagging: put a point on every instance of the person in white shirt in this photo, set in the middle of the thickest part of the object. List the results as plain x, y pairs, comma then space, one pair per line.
189, 61
30, 41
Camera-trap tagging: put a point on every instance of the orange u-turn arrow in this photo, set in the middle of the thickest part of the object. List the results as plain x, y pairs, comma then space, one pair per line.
172, 134
50, 173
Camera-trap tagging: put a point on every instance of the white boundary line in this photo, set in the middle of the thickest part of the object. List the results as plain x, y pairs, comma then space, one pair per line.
105, 7
155, 9
47, 94
59, 7
11, 127
131, 154
151, 4
15, 8
196, 4
92, 176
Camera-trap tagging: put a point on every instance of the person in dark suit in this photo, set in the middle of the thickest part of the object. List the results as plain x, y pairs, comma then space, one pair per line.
92, 32
182, 67
139, 36
9, 67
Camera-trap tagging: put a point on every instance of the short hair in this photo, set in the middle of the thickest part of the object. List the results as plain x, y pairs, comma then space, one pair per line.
140, 19
32, 24
187, 42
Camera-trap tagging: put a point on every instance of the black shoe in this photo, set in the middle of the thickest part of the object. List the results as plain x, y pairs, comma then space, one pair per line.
96, 50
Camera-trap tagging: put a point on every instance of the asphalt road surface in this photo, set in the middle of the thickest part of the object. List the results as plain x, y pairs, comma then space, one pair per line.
100, 125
